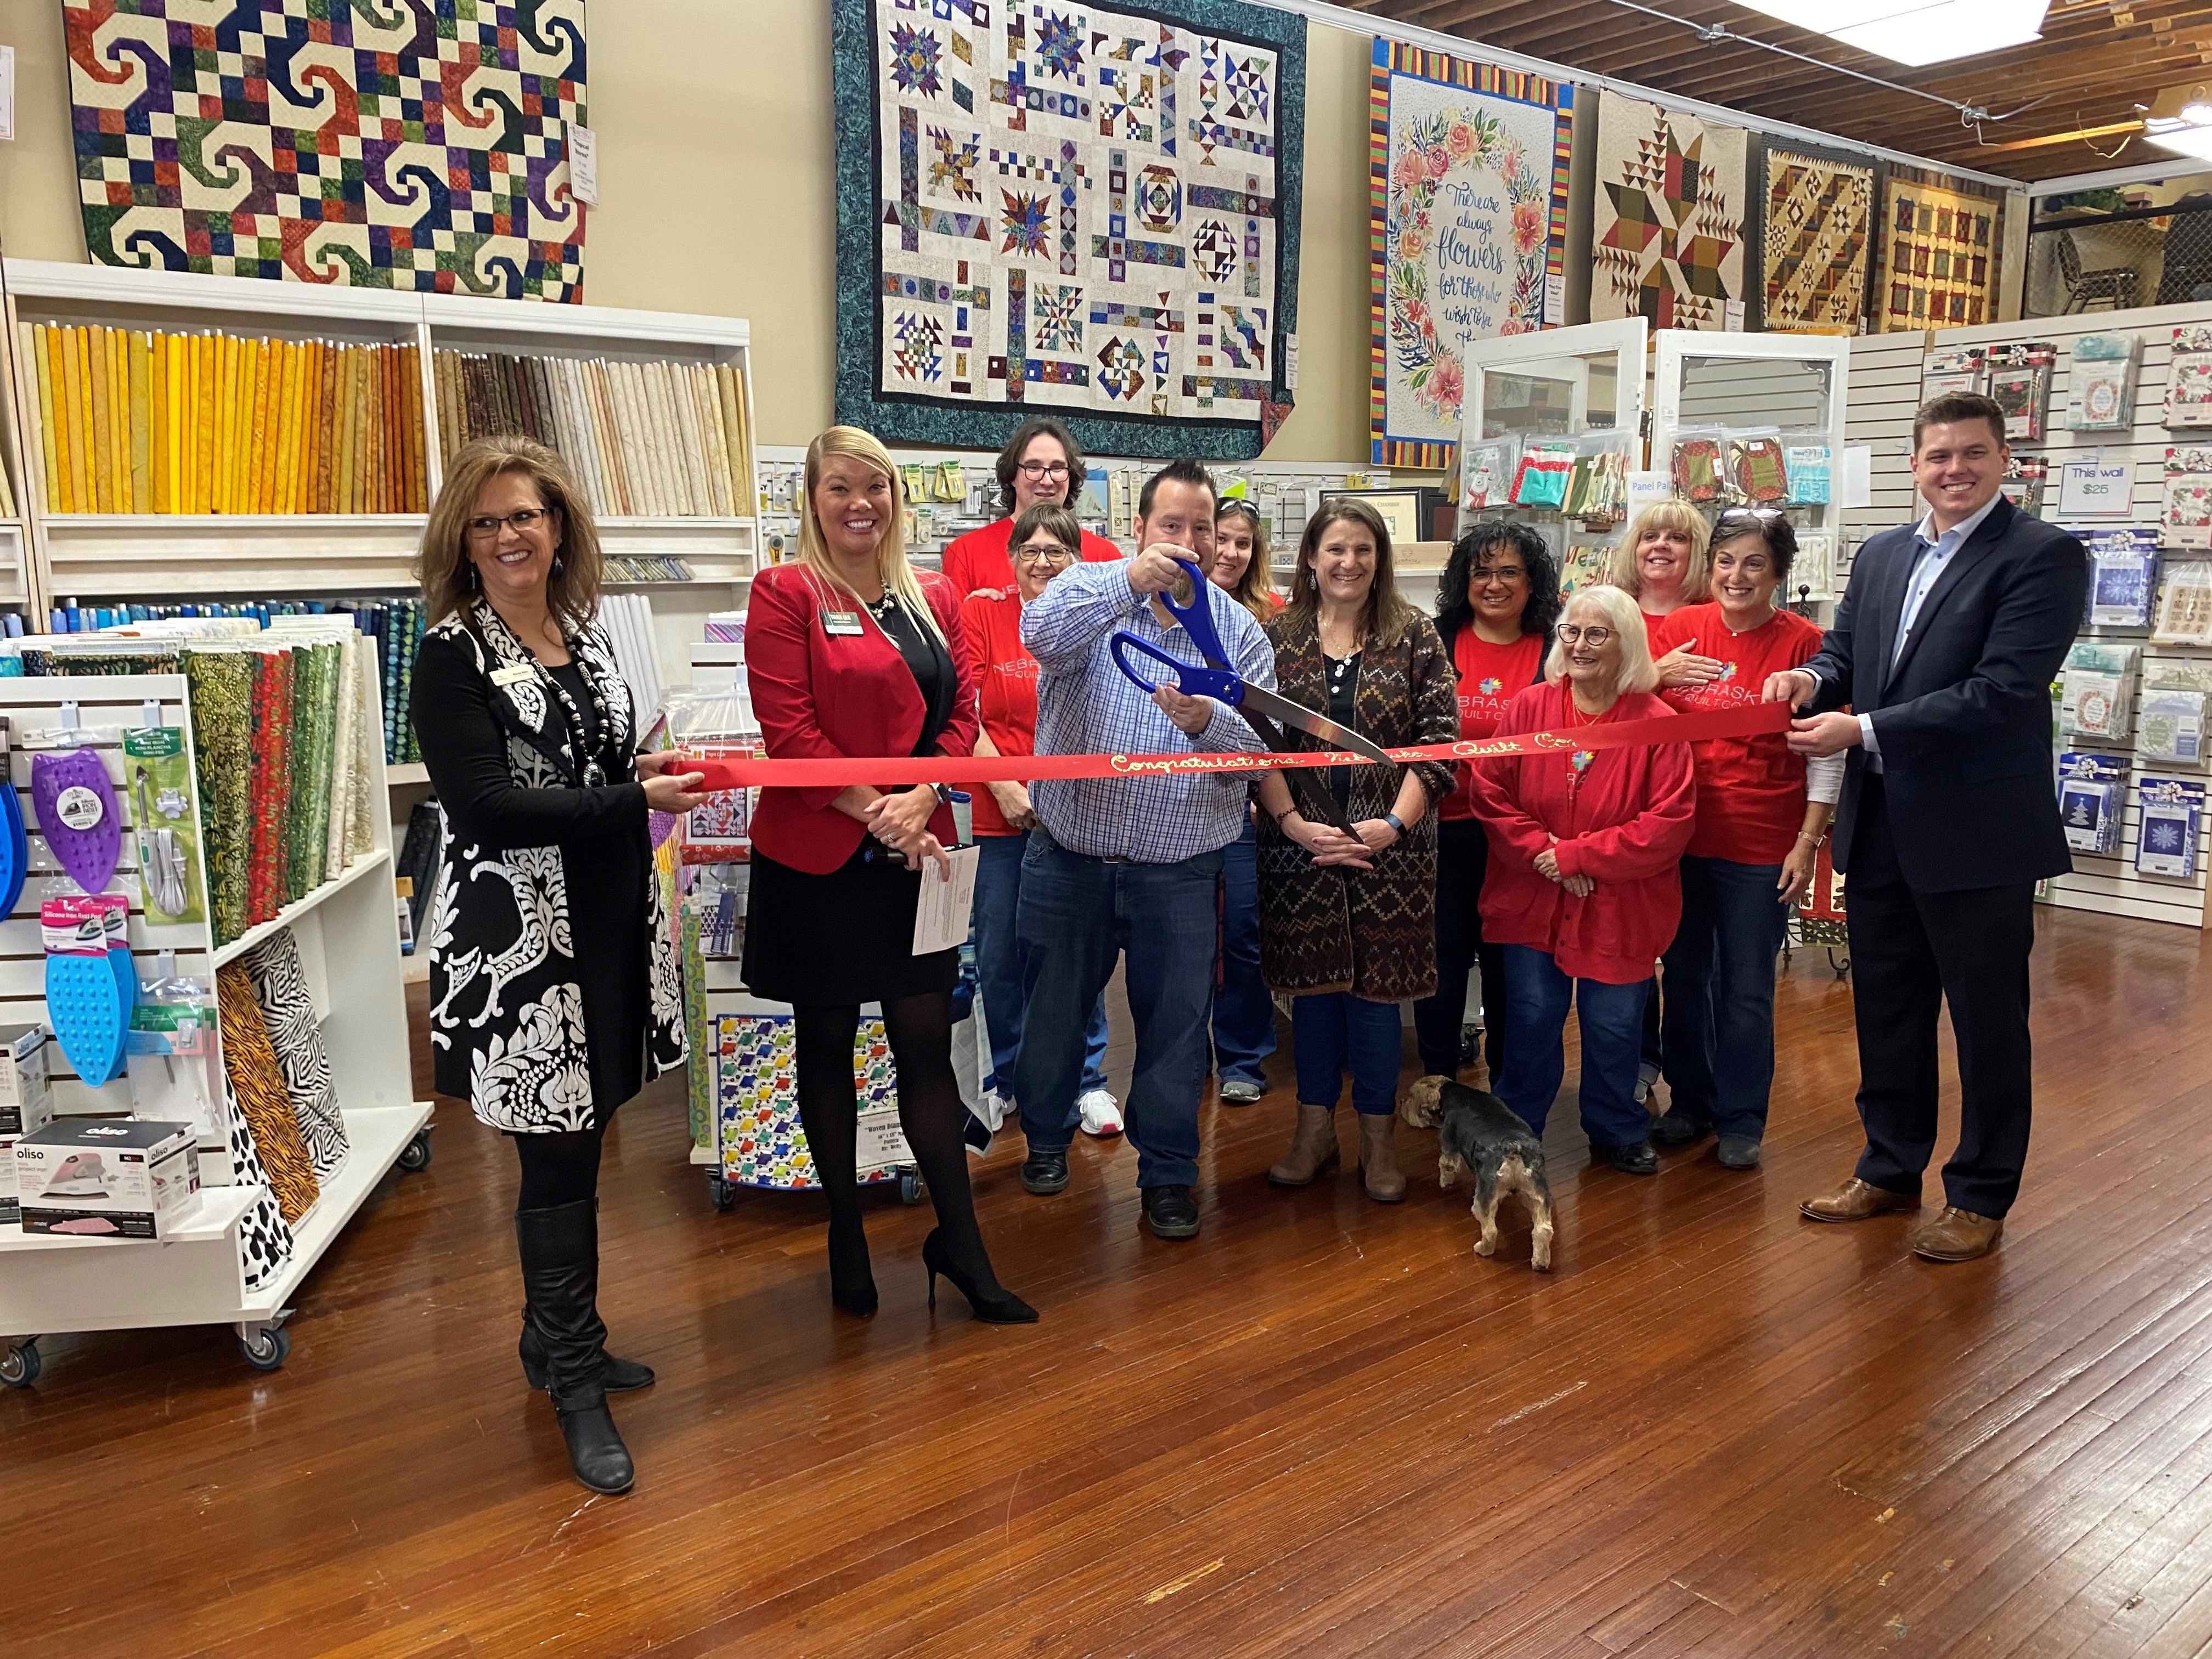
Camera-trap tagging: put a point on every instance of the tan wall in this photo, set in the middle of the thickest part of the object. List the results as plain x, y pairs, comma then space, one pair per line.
715, 181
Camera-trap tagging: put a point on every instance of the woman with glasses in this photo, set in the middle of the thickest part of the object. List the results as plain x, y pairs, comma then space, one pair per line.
1582, 890
1243, 1011
1040, 464
554, 992
851, 651
1044, 540
1495, 608
1762, 815
1347, 924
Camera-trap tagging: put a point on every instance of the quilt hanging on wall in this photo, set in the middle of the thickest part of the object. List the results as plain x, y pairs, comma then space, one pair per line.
1940, 249
1466, 232
1666, 238
1050, 207
420, 146
1817, 239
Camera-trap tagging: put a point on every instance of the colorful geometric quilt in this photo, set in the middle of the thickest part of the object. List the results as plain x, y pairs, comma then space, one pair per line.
366, 143
1666, 237
1045, 206
1939, 256
1818, 239
1466, 232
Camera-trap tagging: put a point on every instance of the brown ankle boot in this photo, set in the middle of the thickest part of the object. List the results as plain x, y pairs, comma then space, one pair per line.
1313, 1149
1378, 1157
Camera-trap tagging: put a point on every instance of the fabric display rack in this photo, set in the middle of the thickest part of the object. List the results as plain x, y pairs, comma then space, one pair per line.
351, 400
2109, 416
255, 876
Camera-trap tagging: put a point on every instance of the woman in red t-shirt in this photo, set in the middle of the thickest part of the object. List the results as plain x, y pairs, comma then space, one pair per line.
1043, 542
1039, 464
1762, 815
1495, 607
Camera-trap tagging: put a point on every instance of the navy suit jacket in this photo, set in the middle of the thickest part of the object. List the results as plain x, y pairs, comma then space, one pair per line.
1962, 717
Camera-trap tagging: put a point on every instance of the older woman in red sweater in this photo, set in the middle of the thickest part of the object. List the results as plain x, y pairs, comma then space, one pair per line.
1582, 889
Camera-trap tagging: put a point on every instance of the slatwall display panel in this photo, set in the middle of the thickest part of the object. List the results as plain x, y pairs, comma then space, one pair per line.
1881, 408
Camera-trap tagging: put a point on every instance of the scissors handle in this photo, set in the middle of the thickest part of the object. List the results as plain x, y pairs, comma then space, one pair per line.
1197, 617
1190, 679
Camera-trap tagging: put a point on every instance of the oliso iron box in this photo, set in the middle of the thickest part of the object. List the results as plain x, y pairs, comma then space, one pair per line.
106, 1177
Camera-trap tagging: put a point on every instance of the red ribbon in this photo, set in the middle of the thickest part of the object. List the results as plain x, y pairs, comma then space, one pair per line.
906, 770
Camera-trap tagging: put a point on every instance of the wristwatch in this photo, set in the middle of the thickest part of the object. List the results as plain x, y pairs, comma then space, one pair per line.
944, 794
1395, 823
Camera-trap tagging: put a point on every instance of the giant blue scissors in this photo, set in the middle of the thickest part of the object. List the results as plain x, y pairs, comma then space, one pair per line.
1268, 715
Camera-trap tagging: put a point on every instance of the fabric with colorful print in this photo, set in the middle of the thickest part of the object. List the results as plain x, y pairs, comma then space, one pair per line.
1667, 239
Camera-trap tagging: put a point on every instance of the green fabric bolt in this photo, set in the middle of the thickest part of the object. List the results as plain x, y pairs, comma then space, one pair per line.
220, 684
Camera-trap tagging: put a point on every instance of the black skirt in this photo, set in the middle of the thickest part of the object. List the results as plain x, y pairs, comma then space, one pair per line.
847, 937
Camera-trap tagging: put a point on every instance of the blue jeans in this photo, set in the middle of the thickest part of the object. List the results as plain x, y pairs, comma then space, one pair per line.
1720, 995
1336, 1029
999, 962
1076, 916
1243, 1013
1537, 997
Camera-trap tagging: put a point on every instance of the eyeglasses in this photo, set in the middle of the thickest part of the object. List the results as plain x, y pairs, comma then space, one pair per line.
1501, 574
1035, 470
1570, 634
522, 521
1043, 553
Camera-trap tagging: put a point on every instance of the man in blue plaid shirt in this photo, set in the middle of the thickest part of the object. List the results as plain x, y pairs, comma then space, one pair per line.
1129, 866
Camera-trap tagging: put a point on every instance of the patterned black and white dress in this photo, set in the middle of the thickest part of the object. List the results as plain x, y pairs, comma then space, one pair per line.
554, 989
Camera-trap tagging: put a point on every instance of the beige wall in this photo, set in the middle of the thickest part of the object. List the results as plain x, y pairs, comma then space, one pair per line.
715, 181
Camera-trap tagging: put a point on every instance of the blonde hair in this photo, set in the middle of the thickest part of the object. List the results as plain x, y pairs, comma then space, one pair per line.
1637, 672
1388, 615
442, 566
850, 443
1667, 515
1255, 588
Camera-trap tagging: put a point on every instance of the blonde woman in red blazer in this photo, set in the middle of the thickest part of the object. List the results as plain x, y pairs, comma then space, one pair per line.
1583, 888
850, 651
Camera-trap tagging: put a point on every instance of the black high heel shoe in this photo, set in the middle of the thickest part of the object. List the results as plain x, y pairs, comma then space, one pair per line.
1000, 1307
852, 1285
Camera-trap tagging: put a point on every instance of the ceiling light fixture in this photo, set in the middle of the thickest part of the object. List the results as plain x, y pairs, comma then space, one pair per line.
1914, 31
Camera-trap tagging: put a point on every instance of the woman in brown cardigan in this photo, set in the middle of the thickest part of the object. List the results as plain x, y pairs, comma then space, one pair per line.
1347, 922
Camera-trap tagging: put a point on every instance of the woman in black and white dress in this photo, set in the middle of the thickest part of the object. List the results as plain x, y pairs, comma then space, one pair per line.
553, 999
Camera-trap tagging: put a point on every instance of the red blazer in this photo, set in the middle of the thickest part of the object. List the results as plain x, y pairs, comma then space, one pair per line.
1624, 825
819, 694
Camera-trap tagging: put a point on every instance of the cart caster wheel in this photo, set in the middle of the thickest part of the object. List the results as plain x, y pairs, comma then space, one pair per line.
722, 1194
266, 1350
415, 1156
911, 1191
22, 1365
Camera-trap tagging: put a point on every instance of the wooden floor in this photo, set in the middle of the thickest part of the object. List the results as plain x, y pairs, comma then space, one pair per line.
1324, 1428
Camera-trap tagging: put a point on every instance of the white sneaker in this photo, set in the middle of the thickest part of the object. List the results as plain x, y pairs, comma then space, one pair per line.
994, 1108
1101, 1113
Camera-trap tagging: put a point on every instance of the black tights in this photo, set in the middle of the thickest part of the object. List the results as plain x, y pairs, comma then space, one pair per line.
559, 1167
931, 1113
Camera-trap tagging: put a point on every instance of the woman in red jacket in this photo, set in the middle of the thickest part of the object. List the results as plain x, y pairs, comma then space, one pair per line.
851, 651
1582, 890
1762, 815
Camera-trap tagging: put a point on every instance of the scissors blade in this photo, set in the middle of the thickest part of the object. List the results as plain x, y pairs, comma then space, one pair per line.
1305, 719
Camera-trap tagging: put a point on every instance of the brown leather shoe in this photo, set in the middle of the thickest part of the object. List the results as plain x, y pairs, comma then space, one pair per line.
1958, 1236
1854, 1201
1378, 1158
1313, 1149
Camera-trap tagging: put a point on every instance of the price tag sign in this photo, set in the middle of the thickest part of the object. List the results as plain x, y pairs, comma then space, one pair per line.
583, 165
2095, 489
1649, 490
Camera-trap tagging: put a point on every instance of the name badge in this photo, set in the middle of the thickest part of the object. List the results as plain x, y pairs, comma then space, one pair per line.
841, 622
513, 674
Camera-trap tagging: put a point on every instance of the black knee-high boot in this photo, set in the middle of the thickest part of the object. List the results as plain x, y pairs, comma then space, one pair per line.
560, 1251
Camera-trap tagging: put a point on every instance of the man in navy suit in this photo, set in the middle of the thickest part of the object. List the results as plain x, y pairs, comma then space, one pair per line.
1944, 649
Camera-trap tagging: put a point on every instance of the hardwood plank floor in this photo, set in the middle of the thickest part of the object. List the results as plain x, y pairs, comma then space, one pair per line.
1324, 1428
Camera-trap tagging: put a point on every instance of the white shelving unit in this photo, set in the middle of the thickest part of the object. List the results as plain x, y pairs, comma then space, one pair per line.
162, 557
348, 933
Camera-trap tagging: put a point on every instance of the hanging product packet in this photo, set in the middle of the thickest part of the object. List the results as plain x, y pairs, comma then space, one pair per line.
1812, 574
1957, 368
2124, 569
1755, 471
157, 778
174, 1061
1597, 491
2171, 726
2020, 382
1808, 460
86, 1002
2188, 377
2184, 604
715, 726
1487, 474
1545, 473
2169, 826
2091, 801
2189, 495
1696, 464
2100, 382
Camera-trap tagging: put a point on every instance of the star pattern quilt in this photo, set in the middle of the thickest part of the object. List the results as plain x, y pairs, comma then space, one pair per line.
1668, 232
1817, 239
1089, 211
419, 144
1466, 232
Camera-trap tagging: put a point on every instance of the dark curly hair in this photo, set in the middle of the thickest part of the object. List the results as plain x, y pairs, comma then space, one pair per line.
1454, 611
1010, 458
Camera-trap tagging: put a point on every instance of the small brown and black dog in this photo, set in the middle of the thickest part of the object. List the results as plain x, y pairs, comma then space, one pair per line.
1480, 1131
